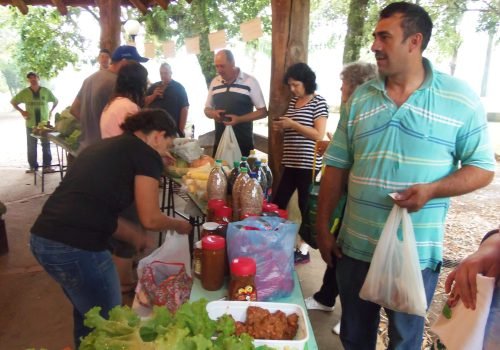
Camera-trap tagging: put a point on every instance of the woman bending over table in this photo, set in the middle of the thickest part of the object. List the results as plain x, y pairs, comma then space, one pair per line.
70, 236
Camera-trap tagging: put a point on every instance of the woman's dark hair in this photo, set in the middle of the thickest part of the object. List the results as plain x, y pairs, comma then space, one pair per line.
131, 83
148, 120
303, 73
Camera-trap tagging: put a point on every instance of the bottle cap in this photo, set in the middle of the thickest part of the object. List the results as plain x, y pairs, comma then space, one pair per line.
244, 170
213, 242
243, 266
258, 163
236, 164
283, 213
269, 207
215, 203
243, 158
223, 212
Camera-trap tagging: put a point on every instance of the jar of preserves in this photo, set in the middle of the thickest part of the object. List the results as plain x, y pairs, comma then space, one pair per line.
209, 228
197, 253
242, 285
213, 262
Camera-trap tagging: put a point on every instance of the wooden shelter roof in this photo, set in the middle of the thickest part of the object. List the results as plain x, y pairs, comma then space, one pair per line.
141, 5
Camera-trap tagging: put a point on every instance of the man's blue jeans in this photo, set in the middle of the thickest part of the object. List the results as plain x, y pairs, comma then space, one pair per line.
31, 146
360, 318
87, 278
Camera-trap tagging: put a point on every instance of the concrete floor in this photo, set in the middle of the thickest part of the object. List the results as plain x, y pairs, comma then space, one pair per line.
35, 313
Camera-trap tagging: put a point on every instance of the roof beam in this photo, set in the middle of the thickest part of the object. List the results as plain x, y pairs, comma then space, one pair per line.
21, 6
140, 6
63, 10
163, 3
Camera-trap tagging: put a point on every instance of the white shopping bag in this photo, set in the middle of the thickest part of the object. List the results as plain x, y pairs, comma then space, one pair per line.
228, 148
394, 279
175, 249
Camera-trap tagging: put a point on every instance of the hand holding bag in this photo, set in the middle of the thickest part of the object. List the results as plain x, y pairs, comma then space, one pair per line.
228, 149
394, 279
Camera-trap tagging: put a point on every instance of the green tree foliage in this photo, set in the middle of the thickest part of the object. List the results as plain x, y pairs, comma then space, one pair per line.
201, 17
353, 43
48, 42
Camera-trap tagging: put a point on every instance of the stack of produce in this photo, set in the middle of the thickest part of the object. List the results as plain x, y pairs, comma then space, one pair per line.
69, 128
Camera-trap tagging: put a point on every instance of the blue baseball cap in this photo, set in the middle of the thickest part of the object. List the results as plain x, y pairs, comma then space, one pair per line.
127, 52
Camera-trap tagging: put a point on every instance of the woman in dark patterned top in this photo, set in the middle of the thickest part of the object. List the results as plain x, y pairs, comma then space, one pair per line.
303, 124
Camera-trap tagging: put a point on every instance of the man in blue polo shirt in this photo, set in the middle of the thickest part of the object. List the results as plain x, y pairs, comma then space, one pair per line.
414, 131
232, 96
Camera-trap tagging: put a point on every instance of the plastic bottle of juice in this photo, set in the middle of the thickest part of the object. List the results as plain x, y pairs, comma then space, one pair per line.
251, 198
269, 178
244, 163
232, 177
217, 182
261, 177
251, 159
240, 181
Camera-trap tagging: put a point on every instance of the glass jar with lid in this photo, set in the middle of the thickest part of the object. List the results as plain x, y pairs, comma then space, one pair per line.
209, 228
213, 262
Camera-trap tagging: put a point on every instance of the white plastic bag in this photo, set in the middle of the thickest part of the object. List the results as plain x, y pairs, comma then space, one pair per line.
187, 149
394, 279
228, 148
175, 249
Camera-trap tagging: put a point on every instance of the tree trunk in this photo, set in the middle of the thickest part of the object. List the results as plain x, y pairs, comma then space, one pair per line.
355, 28
290, 37
487, 62
109, 19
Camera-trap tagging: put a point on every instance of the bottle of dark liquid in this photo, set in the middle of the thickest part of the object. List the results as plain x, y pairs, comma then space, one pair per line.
244, 163
232, 177
251, 159
261, 177
269, 178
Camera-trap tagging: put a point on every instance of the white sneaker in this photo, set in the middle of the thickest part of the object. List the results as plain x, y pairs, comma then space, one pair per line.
312, 304
336, 329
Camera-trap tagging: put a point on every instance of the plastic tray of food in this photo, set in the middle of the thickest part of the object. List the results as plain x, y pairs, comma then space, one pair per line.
238, 310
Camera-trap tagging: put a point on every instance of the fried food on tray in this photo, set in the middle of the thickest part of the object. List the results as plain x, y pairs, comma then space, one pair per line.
261, 324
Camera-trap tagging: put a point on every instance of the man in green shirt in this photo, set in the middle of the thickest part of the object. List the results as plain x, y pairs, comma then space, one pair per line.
36, 100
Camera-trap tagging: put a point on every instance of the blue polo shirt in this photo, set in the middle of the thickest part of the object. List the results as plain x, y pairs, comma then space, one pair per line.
388, 148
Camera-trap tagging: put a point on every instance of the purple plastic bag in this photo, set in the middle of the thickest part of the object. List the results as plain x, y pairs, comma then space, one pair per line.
270, 241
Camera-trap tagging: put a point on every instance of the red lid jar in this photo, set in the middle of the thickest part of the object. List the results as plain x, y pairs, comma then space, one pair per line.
242, 285
213, 262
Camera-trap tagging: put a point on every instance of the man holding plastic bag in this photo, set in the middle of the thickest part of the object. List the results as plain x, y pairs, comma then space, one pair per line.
405, 132
232, 96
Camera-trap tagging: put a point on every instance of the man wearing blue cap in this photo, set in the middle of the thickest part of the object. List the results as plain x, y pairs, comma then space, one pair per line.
96, 91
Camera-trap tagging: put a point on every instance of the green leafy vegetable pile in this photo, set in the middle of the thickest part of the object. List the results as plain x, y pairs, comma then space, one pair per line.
189, 328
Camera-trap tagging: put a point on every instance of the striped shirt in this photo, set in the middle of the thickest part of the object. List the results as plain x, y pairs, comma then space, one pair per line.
388, 149
298, 151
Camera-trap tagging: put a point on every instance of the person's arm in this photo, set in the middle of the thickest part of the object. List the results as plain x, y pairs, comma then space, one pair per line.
465, 180
215, 114
24, 113
315, 133
75, 108
236, 119
132, 233
485, 261
148, 209
153, 93
183, 118
54, 105
333, 184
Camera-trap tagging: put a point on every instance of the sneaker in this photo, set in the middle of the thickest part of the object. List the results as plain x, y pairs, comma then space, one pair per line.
49, 170
313, 304
30, 171
336, 329
300, 258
